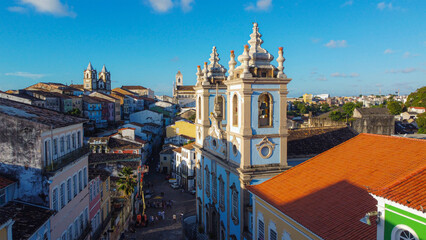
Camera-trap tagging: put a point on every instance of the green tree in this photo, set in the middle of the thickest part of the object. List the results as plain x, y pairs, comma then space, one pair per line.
337, 116
75, 112
421, 122
417, 98
325, 107
127, 182
192, 118
395, 107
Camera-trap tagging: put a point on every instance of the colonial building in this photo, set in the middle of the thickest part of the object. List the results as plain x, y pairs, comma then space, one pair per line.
369, 187
185, 166
184, 94
44, 151
94, 83
373, 120
241, 135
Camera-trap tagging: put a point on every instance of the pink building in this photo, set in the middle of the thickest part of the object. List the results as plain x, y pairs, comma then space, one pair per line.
95, 203
44, 151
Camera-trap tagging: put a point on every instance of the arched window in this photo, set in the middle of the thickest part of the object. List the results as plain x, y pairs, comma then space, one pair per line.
222, 105
265, 110
235, 110
199, 108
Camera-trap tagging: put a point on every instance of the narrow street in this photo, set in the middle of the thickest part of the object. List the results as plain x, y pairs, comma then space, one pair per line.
183, 202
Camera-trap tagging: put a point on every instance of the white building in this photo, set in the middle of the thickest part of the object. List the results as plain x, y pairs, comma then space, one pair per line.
184, 168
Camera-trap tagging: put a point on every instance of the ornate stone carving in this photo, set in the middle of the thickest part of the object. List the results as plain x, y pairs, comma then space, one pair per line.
265, 148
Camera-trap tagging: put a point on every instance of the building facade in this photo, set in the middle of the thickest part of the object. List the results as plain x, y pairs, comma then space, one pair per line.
241, 135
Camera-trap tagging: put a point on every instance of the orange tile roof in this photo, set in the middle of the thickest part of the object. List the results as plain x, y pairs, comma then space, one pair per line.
179, 150
409, 190
328, 194
189, 146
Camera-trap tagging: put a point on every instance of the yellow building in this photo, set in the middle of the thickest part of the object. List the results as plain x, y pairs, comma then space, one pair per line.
181, 127
307, 98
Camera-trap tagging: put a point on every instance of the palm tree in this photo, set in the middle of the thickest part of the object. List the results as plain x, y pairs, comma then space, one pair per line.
127, 182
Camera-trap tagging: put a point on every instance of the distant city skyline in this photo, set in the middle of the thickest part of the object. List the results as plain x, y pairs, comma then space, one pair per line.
346, 47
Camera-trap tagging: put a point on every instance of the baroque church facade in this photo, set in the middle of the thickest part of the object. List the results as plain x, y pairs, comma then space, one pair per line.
92, 82
241, 135
183, 94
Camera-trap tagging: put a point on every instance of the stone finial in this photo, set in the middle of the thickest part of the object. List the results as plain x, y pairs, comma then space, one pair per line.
232, 63
244, 60
205, 75
280, 61
259, 56
215, 68
199, 73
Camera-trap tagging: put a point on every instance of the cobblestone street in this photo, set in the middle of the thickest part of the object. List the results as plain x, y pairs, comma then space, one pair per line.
183, 202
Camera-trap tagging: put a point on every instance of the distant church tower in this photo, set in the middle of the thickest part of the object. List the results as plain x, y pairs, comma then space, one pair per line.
179, 79
94, 84
104, 82
90, 81
241, 135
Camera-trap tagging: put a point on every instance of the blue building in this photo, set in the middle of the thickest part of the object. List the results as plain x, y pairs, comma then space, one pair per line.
241, 135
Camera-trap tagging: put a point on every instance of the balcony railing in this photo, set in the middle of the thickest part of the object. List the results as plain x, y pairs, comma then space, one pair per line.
66, 159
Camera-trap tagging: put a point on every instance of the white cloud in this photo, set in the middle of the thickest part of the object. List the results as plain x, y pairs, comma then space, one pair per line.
322, 78
387, 6
388, 51
54, 7
161, 5
348, 3
17, 9
261, 5
186, 5
408, 55
336, 44
343, 75
405, 70
26, 75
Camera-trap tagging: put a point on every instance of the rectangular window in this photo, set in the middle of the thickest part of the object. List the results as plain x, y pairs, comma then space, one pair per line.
70, 237
85, 176
47, 152
75, 184
214, 191
76, 228
222, 194
207, 182
73, 141
81, 222
69, 195
79, 139
261, 231
68, 142
234, 204
62, 144
106, 184
55, 146
62, 194
55, 199
80, 181
2, 196
86, 217
272, 234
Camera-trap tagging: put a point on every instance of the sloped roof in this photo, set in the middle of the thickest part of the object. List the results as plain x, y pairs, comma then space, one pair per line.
133, 87
373, 111
408, 190
189, 146
179, 150
115, 143
328, 194
185, 88
313, 141
40, 115
28, 218
112, 157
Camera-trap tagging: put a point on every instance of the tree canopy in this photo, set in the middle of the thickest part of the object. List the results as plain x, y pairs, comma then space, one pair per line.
417, 98
127, 181
395, 107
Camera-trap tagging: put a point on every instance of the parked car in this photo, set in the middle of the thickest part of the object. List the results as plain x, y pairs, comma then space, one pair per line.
172, 180
175, 185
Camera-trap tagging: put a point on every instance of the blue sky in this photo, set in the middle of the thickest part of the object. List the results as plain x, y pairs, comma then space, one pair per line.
342, 47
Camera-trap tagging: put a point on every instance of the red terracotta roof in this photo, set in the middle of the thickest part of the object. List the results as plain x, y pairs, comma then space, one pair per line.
409, 190
189, 146
4, 182
179, 150
328, 194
